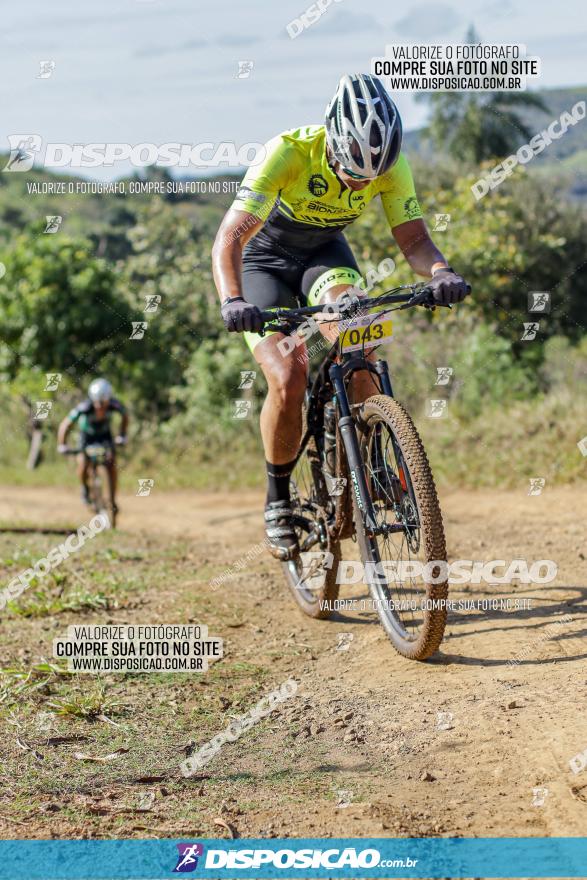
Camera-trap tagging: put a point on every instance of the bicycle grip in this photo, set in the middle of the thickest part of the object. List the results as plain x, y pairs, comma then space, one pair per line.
277, 328
268, 316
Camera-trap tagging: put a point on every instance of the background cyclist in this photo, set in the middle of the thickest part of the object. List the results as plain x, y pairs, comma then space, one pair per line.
93, 417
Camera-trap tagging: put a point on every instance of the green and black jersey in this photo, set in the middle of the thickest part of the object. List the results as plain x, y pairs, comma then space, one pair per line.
301, 200
92, 428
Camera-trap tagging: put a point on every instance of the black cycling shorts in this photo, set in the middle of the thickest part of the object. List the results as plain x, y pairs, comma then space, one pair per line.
289, 278
104, 438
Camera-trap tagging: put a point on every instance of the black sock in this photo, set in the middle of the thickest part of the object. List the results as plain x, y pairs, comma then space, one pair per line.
278, 481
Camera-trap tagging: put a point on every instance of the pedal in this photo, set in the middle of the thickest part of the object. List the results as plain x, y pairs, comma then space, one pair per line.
284, 555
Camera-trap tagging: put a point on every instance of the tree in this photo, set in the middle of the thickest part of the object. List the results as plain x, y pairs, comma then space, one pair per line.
474, 126
521, 237
169, 267
59, 308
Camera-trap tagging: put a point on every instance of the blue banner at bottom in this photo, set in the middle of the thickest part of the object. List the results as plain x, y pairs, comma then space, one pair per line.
302, 858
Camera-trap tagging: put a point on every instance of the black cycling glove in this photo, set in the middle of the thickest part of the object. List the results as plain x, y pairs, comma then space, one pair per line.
240, 316
448, 287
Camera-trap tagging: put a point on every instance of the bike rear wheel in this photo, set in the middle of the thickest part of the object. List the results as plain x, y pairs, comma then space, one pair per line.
412, 613
312, 575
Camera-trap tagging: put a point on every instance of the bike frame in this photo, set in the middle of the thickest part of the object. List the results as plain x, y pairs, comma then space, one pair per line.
340, 374
95, 462
331, 382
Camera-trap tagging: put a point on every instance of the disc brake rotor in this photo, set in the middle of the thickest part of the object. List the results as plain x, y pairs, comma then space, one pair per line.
409, 517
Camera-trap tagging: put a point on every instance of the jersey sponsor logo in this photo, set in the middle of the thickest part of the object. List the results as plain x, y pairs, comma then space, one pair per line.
334, 222
341, 214
412, 207
329, 279
321, 208
245, 193
318, 185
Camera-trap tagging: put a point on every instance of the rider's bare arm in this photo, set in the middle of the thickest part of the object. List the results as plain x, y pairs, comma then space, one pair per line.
124, 424
418, 248
64, 429
236, 229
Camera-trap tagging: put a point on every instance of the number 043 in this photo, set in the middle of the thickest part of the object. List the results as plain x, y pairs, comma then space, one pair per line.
366, 330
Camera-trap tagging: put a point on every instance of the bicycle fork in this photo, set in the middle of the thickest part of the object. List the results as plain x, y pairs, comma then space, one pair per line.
356, 466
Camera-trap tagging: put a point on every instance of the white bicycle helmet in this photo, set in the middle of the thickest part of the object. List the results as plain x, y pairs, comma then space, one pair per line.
100, 390
363, 126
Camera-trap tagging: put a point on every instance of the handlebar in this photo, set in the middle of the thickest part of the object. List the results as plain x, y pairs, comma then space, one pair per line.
76, 450
339, 311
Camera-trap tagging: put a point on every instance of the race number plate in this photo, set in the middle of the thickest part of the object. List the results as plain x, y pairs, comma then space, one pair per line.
365, 331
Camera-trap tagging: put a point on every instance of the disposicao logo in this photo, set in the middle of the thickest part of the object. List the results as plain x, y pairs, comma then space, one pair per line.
187, 860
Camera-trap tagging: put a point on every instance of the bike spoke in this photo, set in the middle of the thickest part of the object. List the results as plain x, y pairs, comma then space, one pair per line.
395, 548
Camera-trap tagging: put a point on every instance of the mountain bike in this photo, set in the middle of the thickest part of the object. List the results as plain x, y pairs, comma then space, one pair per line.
362, 472
100, 457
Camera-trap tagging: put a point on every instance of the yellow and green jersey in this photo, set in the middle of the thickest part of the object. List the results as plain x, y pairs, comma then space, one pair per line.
301, 200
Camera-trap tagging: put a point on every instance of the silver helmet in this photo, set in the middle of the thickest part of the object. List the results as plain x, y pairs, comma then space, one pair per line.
100, 390
363, 126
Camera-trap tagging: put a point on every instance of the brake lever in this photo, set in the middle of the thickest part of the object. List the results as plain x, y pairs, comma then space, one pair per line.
353, 305
286, 329
425, 298
422, 298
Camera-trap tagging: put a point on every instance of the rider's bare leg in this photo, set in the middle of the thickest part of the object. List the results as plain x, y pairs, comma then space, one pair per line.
113, 480
82, 471
281, 415
362, 384
281, 430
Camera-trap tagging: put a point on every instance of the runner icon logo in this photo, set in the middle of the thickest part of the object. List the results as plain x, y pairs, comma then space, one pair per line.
187, 860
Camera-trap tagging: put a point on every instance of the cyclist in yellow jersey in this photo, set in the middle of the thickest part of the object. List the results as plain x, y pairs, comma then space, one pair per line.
281, 244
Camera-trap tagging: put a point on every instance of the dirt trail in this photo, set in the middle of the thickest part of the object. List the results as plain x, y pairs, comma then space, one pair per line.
372, 717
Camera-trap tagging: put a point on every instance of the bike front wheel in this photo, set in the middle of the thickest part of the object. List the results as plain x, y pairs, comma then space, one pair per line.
106, 508
405, 564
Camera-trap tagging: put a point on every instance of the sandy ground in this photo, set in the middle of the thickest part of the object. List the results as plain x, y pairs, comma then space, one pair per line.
372, 716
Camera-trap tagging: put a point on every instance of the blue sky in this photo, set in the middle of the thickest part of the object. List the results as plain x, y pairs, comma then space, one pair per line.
132, 71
